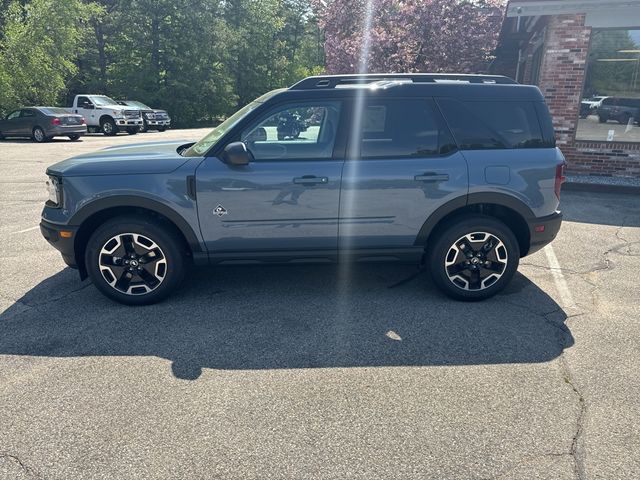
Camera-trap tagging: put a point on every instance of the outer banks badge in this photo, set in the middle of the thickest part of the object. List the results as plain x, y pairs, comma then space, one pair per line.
220, 211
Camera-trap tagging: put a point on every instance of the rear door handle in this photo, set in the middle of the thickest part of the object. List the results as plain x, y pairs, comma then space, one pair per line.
431, 177
311, 180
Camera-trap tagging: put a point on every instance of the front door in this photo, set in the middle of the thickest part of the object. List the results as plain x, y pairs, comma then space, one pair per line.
88, 111
402, 165
12, 124
287, 198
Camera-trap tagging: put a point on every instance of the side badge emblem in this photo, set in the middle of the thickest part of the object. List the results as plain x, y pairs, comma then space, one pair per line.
220, 211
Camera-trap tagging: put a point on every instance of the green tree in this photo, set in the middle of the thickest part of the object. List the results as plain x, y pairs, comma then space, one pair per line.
38, 50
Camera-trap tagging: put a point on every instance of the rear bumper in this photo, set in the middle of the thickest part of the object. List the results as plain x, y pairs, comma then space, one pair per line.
65, 130
543, 231
65, 245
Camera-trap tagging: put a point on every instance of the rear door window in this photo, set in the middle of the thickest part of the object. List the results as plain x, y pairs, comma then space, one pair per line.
481, 125
402, 128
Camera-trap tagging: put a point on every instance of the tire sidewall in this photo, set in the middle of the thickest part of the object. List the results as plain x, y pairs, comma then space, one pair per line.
451, 233
35, 138
163, 236
114, 128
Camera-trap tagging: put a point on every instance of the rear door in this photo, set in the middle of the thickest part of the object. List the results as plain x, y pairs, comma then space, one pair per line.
403, 166
287, 198
28, 120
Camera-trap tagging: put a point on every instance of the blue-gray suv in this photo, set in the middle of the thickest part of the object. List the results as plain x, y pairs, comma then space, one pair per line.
458, 173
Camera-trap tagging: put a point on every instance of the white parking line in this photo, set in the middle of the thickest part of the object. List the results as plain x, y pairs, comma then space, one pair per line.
561, 284
25, 230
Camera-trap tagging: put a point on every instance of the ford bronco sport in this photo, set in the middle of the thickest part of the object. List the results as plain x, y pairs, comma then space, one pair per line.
458, 173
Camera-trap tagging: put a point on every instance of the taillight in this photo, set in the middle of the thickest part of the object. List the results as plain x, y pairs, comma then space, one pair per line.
560, 179
55, 121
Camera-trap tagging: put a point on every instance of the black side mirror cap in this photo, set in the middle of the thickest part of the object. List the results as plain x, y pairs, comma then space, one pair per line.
236, 153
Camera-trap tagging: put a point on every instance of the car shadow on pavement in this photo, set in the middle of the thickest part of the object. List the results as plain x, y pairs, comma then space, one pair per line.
290, 317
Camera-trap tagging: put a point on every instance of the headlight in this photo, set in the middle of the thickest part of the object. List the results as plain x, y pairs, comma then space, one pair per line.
54, 188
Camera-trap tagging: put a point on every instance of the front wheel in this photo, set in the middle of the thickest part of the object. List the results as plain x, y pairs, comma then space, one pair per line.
133, 130
473, 258
162, 129
108, 127
134, 261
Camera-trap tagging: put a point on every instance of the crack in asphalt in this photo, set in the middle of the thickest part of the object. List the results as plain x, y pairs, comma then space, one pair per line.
29, 471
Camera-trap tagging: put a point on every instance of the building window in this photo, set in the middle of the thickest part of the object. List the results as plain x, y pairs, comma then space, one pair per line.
610, 107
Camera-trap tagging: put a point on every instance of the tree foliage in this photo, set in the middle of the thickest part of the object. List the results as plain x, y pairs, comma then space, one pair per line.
410, 35
199, 59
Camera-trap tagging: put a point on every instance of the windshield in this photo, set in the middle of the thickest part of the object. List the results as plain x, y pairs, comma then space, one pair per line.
201, 147
103, 100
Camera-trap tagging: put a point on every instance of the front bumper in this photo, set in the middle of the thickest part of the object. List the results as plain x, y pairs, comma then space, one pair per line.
128, 122
158, 123
63, 242
543, 231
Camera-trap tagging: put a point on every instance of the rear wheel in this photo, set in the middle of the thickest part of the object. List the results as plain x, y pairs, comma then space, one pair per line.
473, 258
602, 119
39, 136
74, 138
108, 127
134, 261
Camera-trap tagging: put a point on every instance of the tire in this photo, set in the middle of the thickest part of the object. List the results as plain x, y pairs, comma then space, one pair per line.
38, 135
109, 265
162, 129
133, 130
281, 136
145, 126
1, 136
74, 138
451, 268
108, 127
602, 119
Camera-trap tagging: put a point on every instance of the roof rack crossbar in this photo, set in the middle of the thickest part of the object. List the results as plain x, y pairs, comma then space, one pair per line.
332, 81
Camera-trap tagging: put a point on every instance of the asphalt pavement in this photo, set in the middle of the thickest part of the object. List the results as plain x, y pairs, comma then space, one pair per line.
294, 372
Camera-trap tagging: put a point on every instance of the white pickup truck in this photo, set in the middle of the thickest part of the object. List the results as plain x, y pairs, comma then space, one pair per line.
105, 114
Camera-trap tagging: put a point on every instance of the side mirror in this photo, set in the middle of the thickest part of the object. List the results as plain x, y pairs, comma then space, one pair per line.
236, 153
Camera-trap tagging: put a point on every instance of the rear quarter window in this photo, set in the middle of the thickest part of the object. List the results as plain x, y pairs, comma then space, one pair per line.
482, 125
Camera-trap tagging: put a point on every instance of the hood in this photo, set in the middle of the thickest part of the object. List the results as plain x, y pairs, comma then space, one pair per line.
138, 159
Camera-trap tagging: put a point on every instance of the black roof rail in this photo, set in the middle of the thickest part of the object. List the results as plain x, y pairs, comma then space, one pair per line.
332, 81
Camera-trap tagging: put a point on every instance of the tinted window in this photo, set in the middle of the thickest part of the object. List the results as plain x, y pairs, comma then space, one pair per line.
13, 115
478, 125
295, 132
28, 113
82, 101
402, 128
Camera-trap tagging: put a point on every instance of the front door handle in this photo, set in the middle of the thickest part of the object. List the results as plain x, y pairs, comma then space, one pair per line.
311, 180
431, 177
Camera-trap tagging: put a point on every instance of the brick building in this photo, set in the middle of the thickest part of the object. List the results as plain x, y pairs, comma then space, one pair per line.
585, 57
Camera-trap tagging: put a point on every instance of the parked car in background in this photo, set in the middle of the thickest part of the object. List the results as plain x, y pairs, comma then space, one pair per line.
106, 115
42, 124
595, 101
152, 118
585, 109
619, 109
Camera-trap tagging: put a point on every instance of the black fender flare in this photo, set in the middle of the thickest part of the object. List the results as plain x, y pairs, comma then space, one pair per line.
509, 201
133, 201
